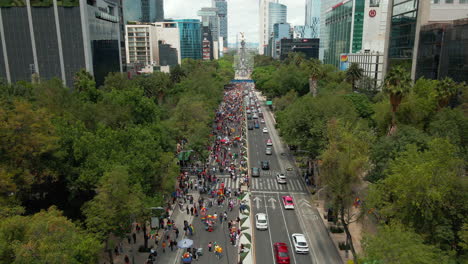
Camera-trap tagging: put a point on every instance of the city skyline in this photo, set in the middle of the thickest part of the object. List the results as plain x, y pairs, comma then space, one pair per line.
242, 14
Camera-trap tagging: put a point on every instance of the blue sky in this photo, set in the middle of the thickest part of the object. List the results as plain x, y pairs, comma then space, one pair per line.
243, 14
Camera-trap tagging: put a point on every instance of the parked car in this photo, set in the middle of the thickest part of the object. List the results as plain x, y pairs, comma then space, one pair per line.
300, 243
281, 253
261, 221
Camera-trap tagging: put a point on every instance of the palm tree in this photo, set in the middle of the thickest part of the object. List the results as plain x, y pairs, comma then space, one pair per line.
397, 84
354, 74
315, 72
445, 90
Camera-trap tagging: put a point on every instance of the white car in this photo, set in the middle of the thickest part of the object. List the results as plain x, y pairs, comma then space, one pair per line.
265, 130
255, 116
280, 178
262, 121
261, 221
300, 243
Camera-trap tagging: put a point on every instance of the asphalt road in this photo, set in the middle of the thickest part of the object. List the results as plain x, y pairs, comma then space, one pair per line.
266, 198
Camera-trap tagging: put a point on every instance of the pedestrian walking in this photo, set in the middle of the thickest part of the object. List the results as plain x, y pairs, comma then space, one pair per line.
209, 246
176, 233
134, 238
126, 259
187, 208
171, 244
163, 245
191, 211
129, 239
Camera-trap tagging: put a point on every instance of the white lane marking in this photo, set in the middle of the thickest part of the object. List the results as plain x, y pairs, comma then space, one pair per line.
269, 231
287, 230
275, 192
257, 201
303, 227
272, 201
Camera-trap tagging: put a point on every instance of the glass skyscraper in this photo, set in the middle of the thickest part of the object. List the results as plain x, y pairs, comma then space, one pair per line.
402, 32
143, 10
343, 28
190, 38
277, 14
312, 19
222, 7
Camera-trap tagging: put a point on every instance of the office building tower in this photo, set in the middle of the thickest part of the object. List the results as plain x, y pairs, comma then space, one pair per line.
57, 41
312, 19
277, 14
280, 31
145, 11
222, 7
325, 5
264, 34
190, 38
443, 51
209, 18
343, 29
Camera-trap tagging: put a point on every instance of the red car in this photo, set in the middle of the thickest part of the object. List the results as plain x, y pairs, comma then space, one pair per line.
281, 253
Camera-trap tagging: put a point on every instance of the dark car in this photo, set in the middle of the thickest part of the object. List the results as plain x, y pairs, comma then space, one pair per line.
249, 117
255, 172
265, 165
250, 126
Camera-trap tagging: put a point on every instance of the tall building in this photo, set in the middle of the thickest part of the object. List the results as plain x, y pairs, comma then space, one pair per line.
375, 26
405, 20
222, 7
344, 28
207, 43
209, 18
190, 38
325, 5
312, 19
277, 14
280, 31
264, 34
146, 11
55, 40
309, 47
443, 51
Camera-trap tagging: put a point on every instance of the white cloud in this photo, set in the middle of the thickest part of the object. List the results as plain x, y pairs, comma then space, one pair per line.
242, 14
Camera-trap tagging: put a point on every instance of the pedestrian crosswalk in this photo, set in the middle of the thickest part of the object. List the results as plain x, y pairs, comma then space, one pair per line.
264, 184
270, 184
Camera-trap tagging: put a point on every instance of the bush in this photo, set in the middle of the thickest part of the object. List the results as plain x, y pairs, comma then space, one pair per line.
244, 228
247, 235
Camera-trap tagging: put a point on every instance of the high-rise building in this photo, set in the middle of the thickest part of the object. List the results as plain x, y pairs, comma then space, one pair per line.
280, 31
325, 5
443, 51
309, 47
222, 7
405, 20
209, 18
343, 28
146, 11
57, 41
277, 14
190, 38
375, 26
312, 19
207, 43
264, 34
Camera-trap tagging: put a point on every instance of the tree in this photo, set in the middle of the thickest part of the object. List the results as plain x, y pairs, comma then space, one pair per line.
155, 85
27, 145
397, 84
46, 237
353, 74
425, 190
113, 208
395, 244
445, 90
315, 71
177, 74
85, 85
343, 163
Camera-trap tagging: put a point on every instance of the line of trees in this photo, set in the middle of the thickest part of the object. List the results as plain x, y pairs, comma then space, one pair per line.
402, 148
77, 166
